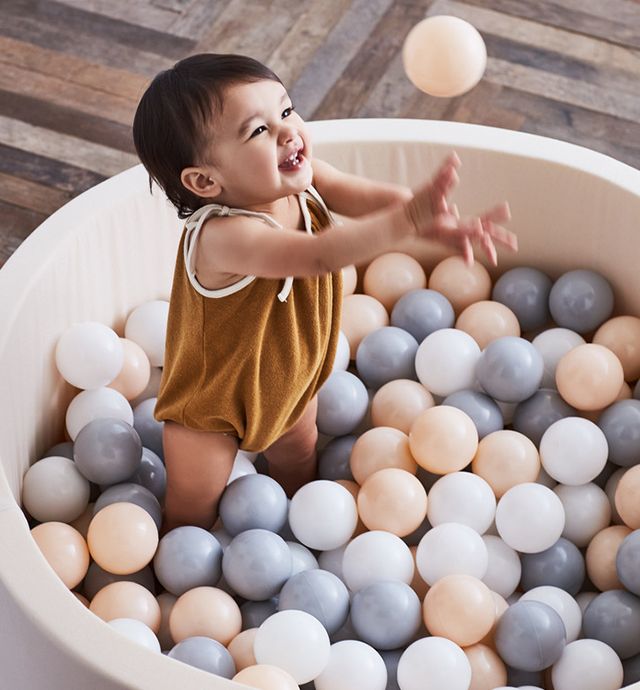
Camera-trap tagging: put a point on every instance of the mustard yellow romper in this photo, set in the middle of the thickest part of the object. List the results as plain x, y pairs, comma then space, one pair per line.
246, 359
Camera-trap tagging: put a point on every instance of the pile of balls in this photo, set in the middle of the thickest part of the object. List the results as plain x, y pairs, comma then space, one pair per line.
474, 524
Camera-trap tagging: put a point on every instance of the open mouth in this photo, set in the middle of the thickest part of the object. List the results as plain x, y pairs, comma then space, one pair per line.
293, 162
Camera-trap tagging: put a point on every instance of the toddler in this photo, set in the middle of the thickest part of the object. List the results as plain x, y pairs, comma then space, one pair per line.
255, 303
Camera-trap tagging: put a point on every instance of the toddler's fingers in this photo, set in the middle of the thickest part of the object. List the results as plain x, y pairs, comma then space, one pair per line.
489, 248
467, 251
500, 213
453, 208
501, 235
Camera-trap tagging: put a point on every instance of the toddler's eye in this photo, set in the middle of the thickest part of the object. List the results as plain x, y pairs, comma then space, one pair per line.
259, 130
288, 112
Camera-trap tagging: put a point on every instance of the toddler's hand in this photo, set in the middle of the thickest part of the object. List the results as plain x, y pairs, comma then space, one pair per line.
433, 218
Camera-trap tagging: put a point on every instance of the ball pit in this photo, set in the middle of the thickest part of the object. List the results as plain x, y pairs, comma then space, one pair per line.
552, 187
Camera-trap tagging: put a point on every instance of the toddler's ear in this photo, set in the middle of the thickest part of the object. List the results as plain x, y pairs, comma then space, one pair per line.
200, 182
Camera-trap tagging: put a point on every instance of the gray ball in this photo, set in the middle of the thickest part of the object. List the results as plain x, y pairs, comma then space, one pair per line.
206, 654
253, 501
510, 369
386, 354
483, 410
631, 668
620, 423
151, 474
561, 565
386, 615
255, 613
613, 617
334, 459
529, 679
64, 449
530, 636
533, 416
130, 493
146, 425
391, 657
525, 291
628, 562
342, 404
421, 312
581, 300
107, 450
188, 557
97, 578
321, 594
256, 564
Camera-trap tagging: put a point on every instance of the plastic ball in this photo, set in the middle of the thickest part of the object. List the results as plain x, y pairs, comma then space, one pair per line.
323, 515
589, 377
573, 451
435, 663
626, 497
620, 423
628, 561
54, 490
166, 602
241, 648
581, 300
349, 279
421, 312
130, 493
464, 498
353, 665
386, 354
127, 600
530, 517
485, 321
301, 558
443, 439
397, 404
487, 668
530, 636
97, 578
242, 466
600, 557
533, 416
64, 549
89, 355
460, 283
483, 410
149, 430
510, 369
206, 654
343, 353
561, 565
562, 603
255, 613
151, 474
361, 315
622, 335
342, 404
296, 642
146, 325
525, 291
587, 511
589, 665
254, 501
135, 371
446, 361
334, 458
266, 677
613, 617
94, 404
444, 56
152, 388
122, 538
389, 276
553, 344
206, 611
503, 568
137, 632
375, 557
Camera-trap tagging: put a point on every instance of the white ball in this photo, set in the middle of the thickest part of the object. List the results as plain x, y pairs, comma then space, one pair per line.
146, 325
301, 558
332, 560
587, 511
584, 599
54, 490
446, 361
89, 355
296, 642
462, 497
530, 517
137, 632
376, 556
241, 467
553, 344
562, 603
94, 404
451, 549
434, 663
504, 568
323, 515
353, 665
588, 665
341, 360
573, 450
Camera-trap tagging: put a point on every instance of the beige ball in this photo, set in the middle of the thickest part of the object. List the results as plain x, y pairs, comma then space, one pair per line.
64, 549
206, 611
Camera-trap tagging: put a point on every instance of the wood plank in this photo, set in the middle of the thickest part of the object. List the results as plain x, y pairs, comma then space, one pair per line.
16, 225
143, 13
69, 149
197, 17
31, 195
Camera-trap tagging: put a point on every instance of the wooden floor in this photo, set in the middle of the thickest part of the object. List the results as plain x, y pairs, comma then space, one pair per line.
72, 71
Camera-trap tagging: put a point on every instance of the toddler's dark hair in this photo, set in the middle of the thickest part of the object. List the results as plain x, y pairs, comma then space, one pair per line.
171, 121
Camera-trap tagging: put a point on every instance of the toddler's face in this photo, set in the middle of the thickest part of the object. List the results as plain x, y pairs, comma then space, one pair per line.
261, 148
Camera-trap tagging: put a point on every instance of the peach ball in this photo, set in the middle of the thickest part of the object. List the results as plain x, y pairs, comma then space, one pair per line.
488, 671
82, 522
206, 611
501, 605
485, 321
443, 439
361, 315
135, 373
64, 549
81, 598
393, 500
589, 377
122, 538
462, 285
398, 403
241, 648
627, 497
600, 557
505, 458
380, 448
622, 336
127, 600
349, 280
354, 489
266, 677
418, 585
391, 275
460, 608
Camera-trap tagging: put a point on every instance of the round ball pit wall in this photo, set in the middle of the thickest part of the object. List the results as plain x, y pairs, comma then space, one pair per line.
114, 246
